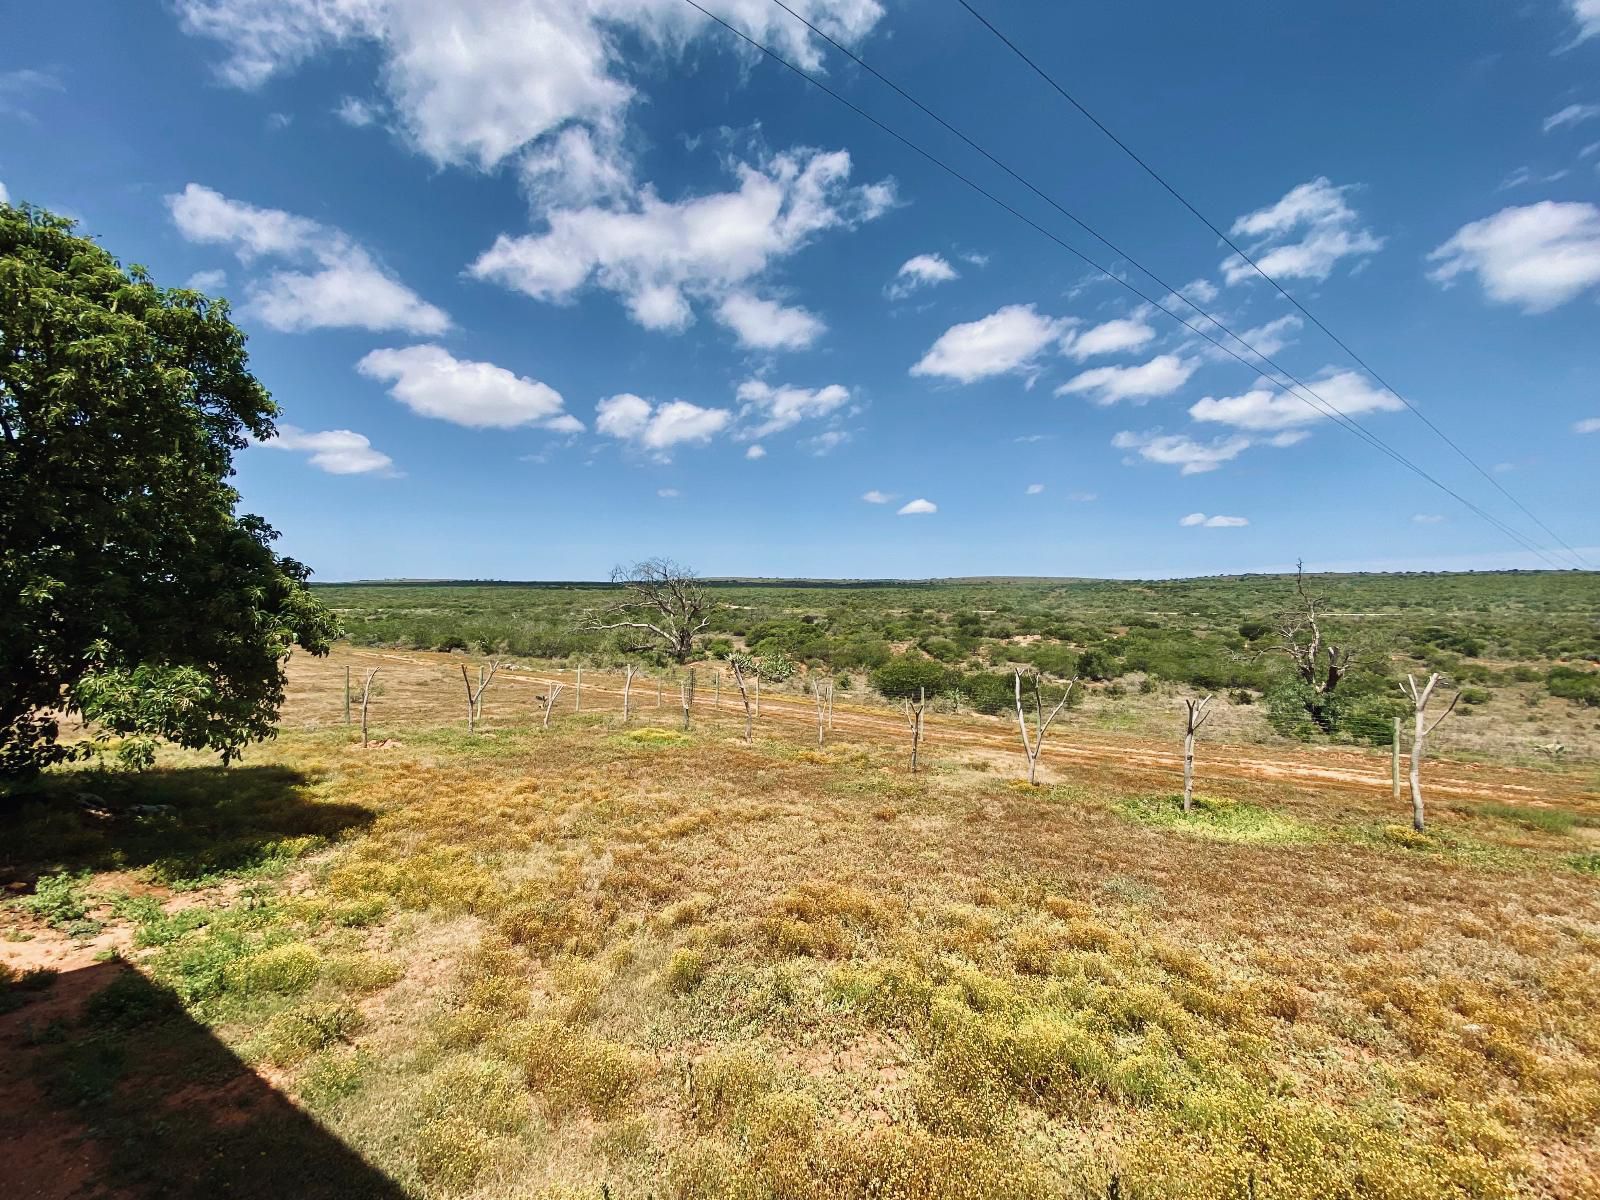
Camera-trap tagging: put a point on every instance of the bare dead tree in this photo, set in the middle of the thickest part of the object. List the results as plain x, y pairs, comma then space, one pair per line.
1041, 720
1421, 731
475, 695
628, 672
666, 607
686, 694
822, 697
1318, 661
577, 692
914, 713
1196, 716
549, 701
744, 692
366, 697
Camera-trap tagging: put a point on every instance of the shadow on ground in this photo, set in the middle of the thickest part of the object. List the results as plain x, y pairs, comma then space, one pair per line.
111, 1090
188, 823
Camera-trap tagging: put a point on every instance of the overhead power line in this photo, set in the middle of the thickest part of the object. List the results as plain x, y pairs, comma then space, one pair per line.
1295, 387
1256, 267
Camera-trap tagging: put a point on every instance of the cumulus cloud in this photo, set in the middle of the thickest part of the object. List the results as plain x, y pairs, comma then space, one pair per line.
204, 281
429, 380
1587, 425
1033, 489
1161, 376
1267, 408
657, 256
917, 508
756, 451
1111, 337
924, 270
877, 497
336, 451
481, 81
342, 287
1537, 257
668, 493
1007, 340
766, 324
1427, 518
773, 409
1572, 114
658, 427
1586, 15
357, 113
1304, 235
1205, 522
1177, 450
1273, 336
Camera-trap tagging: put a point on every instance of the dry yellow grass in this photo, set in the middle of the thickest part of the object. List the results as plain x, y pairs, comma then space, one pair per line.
683, 966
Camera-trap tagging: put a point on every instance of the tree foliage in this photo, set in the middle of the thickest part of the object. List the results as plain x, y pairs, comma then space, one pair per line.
130, 590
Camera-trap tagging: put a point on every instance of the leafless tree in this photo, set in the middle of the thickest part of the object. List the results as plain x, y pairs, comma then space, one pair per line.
577, 691
1319, 661
1196, 716
366, 697
686, 694
914, 714
738, 668
475, 695
665, 605
822, 697
628, 672
1421, 731
1041, 719
549, 701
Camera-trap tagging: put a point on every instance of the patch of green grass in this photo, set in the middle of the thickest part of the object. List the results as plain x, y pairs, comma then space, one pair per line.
1218, 818
63, 902
1587, 864
654, 737
1558, 821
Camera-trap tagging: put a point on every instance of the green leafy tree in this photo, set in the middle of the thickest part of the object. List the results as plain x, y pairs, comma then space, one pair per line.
905, 675
130, 591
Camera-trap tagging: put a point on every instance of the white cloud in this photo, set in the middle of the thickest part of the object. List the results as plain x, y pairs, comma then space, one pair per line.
917, 508
826, 442
877, 497
1009, 339
1525, 175
657, 255
1273, 336
668, 493
1083, 497
779, 408
206, 281
479, 81
1317, 214
5, 196
1161, 376
1427, 518
1035, 489
1586, 14
767, 325
1203, 521
347, 289
336, 451
357, 113
429, 380
658, 427
1111, 337
1587, 425
1268, 408
756, 451
923, 270
574, 168
1176, 450
1572, 114
1537, 257
1200, 291
15, 87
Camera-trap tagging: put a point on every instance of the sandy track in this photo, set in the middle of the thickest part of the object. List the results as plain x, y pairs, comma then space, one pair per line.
1322, 767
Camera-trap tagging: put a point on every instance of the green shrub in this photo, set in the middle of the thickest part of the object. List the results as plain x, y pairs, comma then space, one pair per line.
283, 970
62, 901
293, 1036
1574, 684
903, 676
686, 971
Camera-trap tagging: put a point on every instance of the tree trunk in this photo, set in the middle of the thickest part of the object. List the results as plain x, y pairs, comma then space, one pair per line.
1417, 739
577, 692
347, 695
1188, 769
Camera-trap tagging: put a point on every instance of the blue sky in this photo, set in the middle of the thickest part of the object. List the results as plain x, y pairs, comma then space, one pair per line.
541, 286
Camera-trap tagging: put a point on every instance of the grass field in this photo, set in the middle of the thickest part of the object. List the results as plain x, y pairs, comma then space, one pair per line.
630, 961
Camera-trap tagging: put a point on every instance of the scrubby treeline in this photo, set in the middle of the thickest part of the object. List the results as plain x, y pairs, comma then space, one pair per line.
961, 639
